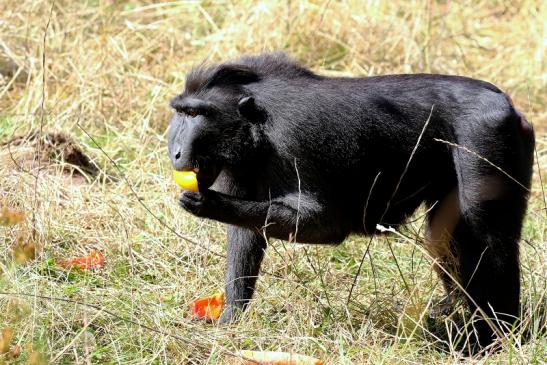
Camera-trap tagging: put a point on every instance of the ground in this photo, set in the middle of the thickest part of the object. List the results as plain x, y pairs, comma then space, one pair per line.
92, 79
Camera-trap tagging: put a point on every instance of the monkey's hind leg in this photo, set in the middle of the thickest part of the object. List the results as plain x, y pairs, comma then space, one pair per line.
488, 236
492, 209
493, 172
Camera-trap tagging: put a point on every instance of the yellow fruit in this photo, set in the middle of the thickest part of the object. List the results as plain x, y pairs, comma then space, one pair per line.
186, 180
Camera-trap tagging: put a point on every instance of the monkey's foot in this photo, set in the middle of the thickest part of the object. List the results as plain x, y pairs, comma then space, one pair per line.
444, 307
231, 314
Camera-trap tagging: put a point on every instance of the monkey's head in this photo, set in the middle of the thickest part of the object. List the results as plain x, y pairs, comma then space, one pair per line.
216, 122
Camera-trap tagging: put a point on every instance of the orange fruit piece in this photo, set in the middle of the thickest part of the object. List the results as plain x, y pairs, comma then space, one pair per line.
94, 259
209, 307
186, 180
278, 358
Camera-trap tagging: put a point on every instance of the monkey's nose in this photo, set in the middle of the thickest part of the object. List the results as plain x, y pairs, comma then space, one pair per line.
180, 161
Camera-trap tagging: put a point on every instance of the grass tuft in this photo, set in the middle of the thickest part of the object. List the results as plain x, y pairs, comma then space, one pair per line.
102, 73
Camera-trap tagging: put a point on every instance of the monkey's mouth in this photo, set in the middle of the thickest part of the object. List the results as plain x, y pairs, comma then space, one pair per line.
206, 174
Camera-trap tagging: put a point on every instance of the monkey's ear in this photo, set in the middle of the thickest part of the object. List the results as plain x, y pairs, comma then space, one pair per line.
249, 110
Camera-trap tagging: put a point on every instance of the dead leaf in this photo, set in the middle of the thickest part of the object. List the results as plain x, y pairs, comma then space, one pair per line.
15, 351
10, 216
5, 340
23, 252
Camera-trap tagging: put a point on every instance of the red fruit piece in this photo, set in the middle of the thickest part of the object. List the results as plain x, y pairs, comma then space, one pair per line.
209, 307
94, 259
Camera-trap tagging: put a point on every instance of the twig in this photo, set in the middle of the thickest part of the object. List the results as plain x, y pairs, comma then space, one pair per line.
452, 144
39, 146
388, 206
189, 240
81, 332
449, 274
298, 202
127, 320
408, 162
358, 270
397, 189
368, 198
321, 279
537, 159
368, 245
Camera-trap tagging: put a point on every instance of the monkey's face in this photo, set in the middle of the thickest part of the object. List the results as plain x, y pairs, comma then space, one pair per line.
193, 137
207, 136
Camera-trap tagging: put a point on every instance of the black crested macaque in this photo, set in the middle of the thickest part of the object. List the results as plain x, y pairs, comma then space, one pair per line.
307, 158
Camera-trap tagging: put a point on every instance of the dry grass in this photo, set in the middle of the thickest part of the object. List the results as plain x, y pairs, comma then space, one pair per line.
111, 68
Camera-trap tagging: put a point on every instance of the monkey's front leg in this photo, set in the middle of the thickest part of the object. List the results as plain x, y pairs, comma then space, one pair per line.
245, 252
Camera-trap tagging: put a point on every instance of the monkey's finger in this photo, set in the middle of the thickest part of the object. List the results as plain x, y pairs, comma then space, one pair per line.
192, 196
192, 202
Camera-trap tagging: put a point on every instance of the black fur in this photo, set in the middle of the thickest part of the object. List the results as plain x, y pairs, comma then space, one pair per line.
262, 126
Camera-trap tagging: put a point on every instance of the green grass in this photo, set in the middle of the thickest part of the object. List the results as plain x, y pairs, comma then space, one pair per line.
111, 69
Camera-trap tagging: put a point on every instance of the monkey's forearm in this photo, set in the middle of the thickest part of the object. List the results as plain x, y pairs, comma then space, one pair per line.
294, 215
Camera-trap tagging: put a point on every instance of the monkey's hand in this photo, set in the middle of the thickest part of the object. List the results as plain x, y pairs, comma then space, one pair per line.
206, 204
196, 203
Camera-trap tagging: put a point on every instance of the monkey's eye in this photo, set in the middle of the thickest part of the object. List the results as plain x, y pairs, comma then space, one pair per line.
191, 112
